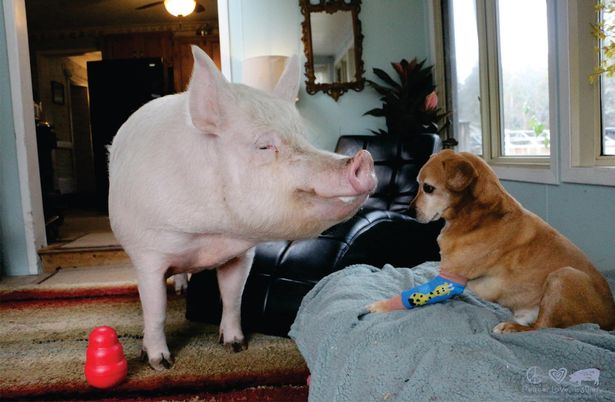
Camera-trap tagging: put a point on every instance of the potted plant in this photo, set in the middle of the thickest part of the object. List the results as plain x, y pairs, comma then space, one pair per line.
409, 104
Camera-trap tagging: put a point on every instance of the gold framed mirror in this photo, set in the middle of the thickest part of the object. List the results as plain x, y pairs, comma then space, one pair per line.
333, 46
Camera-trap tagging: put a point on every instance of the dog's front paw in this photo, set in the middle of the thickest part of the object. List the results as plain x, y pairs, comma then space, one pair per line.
383, 306
378, 307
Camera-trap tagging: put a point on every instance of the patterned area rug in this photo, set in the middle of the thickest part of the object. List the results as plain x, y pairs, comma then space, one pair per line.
43, 342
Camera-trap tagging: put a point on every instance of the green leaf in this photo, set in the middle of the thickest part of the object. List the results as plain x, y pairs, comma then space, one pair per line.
378, 112
380, 89
539, 129
386, 78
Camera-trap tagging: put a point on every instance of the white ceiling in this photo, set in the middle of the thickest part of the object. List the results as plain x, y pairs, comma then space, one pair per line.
50, 15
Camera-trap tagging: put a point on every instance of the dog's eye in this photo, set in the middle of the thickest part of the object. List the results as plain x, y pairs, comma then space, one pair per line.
427, 188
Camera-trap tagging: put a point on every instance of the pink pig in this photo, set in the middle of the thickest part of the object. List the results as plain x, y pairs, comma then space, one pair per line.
197, 179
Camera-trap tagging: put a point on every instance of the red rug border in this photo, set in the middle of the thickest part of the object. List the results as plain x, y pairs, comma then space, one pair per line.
150, 387
47, 294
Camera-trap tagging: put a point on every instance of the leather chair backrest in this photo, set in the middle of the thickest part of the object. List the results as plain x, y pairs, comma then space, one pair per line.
397, 161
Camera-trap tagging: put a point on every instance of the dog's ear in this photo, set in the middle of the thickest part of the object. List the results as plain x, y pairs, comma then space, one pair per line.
459, 172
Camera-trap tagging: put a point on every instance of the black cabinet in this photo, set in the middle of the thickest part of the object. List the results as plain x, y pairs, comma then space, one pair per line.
117, 88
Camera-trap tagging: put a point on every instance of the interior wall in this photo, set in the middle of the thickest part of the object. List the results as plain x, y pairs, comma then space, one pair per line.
392, 30
52, 69
13, 248
583, 213
58, 69
65, 71
586, 214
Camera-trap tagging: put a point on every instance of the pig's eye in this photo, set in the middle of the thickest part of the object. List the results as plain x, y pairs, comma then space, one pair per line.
269, 146
427, 188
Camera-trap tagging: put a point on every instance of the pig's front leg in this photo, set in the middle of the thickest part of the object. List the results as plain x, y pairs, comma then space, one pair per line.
153, 294
231, 281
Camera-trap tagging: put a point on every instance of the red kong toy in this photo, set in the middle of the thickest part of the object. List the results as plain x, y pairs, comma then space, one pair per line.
105, 364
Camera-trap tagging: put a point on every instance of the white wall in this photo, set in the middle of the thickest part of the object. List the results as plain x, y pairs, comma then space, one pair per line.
13, 248
392, 29
583, 213
396, 29
22, 225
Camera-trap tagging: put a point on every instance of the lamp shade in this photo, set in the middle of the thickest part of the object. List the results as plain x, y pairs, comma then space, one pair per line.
263, 72
180, 7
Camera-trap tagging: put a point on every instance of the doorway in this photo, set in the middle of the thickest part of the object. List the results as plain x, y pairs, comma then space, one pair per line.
64, 141
75, 201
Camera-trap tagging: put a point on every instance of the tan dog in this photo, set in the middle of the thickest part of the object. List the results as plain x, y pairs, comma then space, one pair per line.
509, 255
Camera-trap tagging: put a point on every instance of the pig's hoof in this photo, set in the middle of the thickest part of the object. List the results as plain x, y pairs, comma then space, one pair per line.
233, 346
236, 346
159, 363
180, 283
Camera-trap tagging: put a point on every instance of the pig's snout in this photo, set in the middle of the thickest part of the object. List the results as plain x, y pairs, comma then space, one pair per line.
361, 173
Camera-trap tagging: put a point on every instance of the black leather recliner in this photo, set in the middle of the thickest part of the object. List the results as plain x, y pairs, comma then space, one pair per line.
383, 231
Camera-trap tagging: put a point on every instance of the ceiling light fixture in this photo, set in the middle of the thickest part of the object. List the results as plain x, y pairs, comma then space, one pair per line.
180, 8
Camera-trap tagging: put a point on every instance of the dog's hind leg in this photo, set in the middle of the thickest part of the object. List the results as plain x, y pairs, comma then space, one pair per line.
569, 298
526, 316
523, 321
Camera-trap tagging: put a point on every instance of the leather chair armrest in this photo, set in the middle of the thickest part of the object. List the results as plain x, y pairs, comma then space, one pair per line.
284, 271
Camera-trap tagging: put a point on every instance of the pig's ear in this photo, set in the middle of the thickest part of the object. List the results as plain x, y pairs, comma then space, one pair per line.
287, 87
205, 91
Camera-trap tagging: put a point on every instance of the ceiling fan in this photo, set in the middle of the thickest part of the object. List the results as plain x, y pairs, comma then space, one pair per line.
178, 8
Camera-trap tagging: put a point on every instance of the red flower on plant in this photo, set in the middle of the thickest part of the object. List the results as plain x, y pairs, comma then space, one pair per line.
400, 70
409, 101
431, 101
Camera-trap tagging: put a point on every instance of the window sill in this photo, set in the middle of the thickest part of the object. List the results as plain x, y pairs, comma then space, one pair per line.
596, 175
526, 173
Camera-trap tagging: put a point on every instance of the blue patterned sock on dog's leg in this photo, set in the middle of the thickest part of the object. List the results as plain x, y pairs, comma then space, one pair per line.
442, 287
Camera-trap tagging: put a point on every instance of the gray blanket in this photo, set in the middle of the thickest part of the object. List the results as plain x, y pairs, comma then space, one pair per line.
441, 352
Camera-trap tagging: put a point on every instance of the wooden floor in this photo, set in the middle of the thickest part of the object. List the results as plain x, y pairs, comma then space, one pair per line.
101, 275
77, 223
85, 240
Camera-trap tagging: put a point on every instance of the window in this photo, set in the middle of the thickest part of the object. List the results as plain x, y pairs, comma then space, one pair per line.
608, 116
587, 117
465, 84
524, 77
500, 109
607, 83
518, 73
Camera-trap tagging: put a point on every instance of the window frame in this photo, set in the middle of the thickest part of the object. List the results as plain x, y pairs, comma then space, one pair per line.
575, 114
582, 161
541, 169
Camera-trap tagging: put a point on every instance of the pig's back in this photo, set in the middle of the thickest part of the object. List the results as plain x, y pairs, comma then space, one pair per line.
148, 164
143, 128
